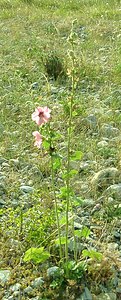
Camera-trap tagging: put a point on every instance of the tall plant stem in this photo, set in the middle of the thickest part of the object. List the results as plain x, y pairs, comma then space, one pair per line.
68, 155
56, 207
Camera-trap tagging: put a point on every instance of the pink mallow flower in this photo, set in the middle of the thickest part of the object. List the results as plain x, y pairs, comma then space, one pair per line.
41, 115
38, 139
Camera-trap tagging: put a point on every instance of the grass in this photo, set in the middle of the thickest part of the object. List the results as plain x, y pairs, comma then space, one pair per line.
33, 40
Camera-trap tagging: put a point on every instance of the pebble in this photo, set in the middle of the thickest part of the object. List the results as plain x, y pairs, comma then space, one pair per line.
2, 177
16, 294
53, 271
5, 164
106, 296
87, 165
35, 85
109, 131
2, 159
15, 287
26, 189
114, 190
112, 246
110, 200
91, 120
2, 203
117, 235
15, 161
28, 290
102, 144
4, 276
104, 177
86, 295
37, 282
2, 189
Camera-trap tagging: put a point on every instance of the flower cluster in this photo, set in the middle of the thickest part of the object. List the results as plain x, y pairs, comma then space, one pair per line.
40, 116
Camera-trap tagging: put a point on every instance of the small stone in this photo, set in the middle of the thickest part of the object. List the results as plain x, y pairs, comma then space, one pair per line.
15, 287
53, 271
2, 159
28, 290
37, 282
118, 291
110, 200
109, 131
15, 161
97, 207
14, 203
102, 144
84, 188
104, 177
4, 276
86, 295
35, 85
30, 182
117, 235
112, 246
2, 177
2, 189
77, 225
11, 297
84, 166
106, 296
115, 281
88, 202
91, 120
54, 90
2, 203
26, 189
16, 294
5, 164
114, 191
119, 283
88, 165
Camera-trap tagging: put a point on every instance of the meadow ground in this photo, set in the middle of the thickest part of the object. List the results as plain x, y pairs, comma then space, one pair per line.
36, 60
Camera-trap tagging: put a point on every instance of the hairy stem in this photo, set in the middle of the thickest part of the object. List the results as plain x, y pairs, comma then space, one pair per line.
56, 206
68, 156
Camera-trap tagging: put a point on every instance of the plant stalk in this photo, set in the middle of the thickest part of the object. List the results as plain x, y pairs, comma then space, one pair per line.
56, 207
69, 157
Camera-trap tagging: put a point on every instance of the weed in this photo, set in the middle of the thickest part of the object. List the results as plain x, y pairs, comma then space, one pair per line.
35, 58
54, 66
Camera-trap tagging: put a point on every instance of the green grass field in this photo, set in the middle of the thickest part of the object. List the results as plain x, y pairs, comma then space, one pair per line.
35, 64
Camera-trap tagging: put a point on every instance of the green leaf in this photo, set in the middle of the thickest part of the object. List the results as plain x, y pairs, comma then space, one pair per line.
85, 232
77, 201
64, 192
77, 155
63, 220
63, 241
37, 255
78, 233
71, 174
56, 162
46, 145
92, 254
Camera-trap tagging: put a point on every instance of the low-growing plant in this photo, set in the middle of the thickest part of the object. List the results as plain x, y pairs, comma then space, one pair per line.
54, 66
